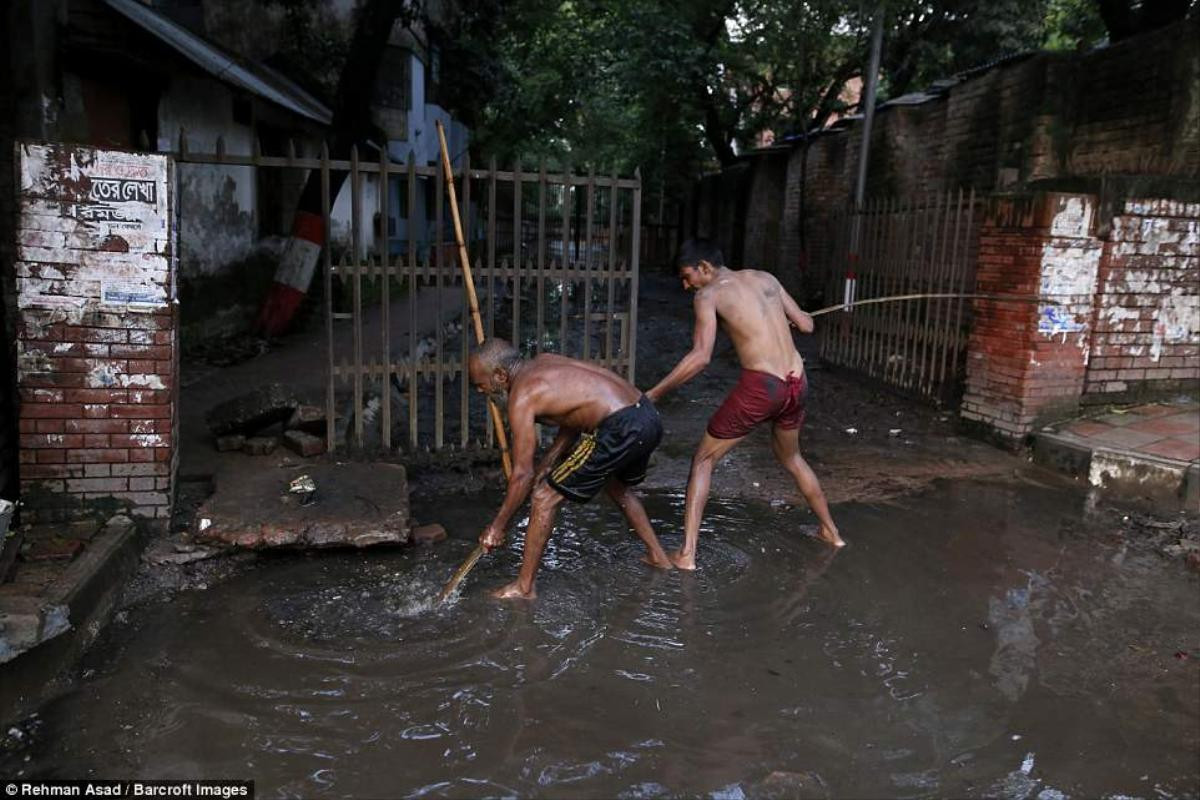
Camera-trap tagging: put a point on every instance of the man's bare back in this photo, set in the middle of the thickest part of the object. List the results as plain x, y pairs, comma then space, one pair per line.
568, 393
753, 310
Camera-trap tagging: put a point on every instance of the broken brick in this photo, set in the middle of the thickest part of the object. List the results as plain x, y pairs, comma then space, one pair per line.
260, 445
304, 444
428, 534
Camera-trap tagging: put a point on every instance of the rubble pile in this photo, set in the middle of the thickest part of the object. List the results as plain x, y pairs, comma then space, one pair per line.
259, 421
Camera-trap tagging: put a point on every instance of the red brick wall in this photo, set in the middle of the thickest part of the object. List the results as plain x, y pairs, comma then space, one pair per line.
1147, 327
1127, 108
1026, 361
96, 376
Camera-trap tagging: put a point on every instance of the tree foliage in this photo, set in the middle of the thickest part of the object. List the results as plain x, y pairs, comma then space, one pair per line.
677, 86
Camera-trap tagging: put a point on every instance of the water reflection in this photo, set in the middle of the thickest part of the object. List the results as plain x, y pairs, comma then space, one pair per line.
956, 648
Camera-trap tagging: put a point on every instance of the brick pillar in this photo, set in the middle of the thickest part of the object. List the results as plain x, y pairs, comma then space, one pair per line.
96, 333
1026, 361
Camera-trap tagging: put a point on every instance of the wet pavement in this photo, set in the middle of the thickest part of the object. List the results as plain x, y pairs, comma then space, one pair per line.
979, 639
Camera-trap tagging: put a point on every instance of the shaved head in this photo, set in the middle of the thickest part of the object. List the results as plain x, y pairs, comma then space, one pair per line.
492, 366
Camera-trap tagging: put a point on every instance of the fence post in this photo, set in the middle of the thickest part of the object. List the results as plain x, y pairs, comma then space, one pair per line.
541, 257
518, 230
413, 281
633, 284
385, 303
330, 414
356, 271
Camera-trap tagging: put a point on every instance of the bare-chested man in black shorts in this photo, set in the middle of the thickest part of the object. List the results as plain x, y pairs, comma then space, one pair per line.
606, 424
757, 313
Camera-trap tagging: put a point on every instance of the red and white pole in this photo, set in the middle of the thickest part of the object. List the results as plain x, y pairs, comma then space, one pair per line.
294, 274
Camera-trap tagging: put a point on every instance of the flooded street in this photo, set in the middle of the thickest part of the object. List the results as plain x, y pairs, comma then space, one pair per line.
975, 640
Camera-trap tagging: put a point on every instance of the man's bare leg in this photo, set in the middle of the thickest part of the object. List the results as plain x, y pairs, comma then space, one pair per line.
635, 513
543, 508
786, 444
710, 451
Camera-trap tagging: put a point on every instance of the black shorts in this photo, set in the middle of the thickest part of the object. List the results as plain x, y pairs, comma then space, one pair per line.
620, 448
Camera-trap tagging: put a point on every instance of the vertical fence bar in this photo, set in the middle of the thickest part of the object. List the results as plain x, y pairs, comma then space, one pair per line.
439, 399
541, 257
413, 282
907, 236
912, 285
385, 303
944, 264
356, 260
963, 286
587, 265
635, 252
895, 285
517, 256
879, 284
330, 415
464, 408
948, 306
611, 274
489, 433
929, 273
881, 262
565, 263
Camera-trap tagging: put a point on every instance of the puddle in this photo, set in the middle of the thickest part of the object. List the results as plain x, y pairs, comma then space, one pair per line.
969, 642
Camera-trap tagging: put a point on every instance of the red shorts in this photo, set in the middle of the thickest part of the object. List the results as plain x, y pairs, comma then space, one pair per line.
758, 397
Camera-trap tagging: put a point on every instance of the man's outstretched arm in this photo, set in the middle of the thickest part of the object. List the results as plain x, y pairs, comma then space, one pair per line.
703, 337
524, 441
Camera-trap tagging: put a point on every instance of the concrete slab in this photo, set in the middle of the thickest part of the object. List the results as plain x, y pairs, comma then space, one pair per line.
1150, 451
355, 505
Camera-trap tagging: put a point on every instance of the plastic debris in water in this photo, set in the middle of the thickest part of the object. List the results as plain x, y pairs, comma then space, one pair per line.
851, 431
304, 485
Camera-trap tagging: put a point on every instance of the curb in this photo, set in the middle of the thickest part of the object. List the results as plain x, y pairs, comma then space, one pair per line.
88, 591
1120, 472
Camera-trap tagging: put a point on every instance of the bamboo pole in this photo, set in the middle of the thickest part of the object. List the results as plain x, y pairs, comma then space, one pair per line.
473, 302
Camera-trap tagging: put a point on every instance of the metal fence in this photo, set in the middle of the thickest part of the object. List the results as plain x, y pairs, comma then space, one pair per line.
906, 246
555, 259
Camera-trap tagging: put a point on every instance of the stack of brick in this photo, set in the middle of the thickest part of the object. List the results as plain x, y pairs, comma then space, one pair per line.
96, 336
1147, 329
1026, 361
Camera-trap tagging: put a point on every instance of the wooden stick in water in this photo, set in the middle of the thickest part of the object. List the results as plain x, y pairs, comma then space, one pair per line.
460, 573
473, 303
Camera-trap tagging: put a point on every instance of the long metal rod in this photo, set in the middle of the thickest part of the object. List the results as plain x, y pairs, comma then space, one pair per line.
1009, 298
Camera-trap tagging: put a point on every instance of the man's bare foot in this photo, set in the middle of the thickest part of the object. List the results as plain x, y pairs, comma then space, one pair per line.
660, 561
683, 561
830, 536
514, 590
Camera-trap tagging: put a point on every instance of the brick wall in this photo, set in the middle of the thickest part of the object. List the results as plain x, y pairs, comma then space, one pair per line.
1127, 108
1147, 320
1025, 361
97, 351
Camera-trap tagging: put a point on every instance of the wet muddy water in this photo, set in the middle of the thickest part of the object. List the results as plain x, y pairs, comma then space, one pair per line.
977, 640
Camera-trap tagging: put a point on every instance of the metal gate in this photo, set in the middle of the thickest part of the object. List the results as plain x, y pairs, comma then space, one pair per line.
906, 246
555, 260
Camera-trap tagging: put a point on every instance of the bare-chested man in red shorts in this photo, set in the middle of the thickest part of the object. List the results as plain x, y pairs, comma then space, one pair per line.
609, 427
757, 313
